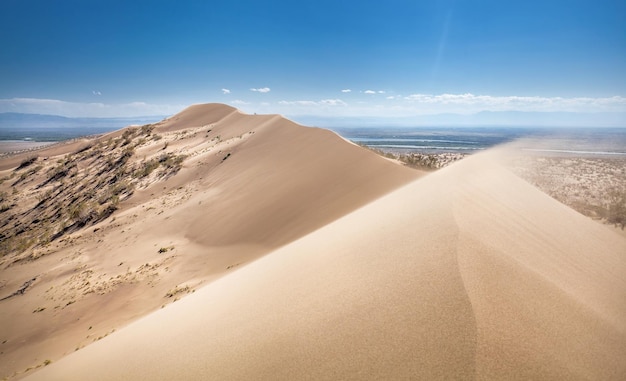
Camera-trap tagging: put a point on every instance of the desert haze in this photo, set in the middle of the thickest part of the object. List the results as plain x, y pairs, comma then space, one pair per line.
220, 245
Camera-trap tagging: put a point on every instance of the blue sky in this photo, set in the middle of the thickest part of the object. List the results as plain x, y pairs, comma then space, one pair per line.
393, 58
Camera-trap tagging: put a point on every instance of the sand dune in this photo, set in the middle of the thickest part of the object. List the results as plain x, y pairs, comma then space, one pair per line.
468, 273
246, 186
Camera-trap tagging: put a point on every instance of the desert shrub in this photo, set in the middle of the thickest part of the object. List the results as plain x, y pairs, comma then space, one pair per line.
177, 290
43, 197
16, 243
128, 135
83, 213
616, 211
108, 210
25, 175
147, 129
146, 169
26, 162
122, 187
60, 171
83, 149
127, 154
172, 161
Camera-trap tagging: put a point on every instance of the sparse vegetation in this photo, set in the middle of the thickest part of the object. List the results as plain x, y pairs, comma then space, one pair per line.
147, 129
178, 290
77, 190
147, 168
60, 171
84, 149
430, 161
420, 160
169, 162
26, 162
595, 187
615, 212
28, 174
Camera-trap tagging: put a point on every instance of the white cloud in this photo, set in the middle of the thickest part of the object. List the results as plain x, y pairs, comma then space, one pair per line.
346, 91
239, 102
369, 92
298, 103
261, 90
323, 102
225, 91
470, 103
94, 109
610, 111
333, 102
95, 92
381, 92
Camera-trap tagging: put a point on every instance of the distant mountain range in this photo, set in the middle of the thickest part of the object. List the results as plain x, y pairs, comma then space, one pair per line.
46, 128
480, 119
17, 120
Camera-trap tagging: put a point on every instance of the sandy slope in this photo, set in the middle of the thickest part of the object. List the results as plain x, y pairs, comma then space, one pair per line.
468, 273
248, 185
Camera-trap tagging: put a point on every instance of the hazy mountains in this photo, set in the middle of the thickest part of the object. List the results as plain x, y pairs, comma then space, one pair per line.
18, 120
38, 127
480, 119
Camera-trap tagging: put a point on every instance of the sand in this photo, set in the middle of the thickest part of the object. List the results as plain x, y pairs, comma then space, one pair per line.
326, 263
250, 185
468, 273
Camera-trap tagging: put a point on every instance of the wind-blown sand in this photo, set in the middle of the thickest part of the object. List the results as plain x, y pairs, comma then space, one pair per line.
468, 273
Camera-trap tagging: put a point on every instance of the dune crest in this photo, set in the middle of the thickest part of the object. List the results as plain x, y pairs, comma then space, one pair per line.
468, 273
143, 216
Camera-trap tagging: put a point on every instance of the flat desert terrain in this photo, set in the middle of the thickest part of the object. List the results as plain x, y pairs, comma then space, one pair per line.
18, 146
219, 245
